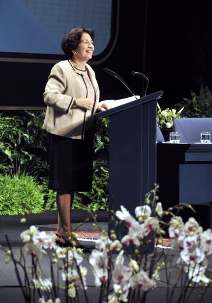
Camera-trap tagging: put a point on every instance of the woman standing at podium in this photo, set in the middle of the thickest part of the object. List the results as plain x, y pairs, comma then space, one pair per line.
72, 98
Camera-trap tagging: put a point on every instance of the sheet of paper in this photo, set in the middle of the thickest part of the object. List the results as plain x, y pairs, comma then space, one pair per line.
115, 103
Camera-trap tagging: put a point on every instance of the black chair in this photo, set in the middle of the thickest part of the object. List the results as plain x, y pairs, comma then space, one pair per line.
190, 128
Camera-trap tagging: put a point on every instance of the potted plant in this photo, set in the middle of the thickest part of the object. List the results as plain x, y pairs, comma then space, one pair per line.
166, 118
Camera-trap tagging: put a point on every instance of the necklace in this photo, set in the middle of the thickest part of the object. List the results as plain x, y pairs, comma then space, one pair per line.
76, 67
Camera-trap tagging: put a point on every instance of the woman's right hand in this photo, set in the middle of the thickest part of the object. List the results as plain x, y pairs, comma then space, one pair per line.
102, 106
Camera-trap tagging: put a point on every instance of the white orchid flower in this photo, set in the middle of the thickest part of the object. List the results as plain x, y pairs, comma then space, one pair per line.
44, 240
192, 227
201, 278
125, 216
120, 276
27, 235
71, 275
151, 225
197, 274
143, 212
115, 245
134, 235
60, 252
31, 249
159, 209
193, 258
176, 226
206, 241
42, 284
190, 242
74, 256
42, 300
102, 244
134, 265
99, 262
142, 280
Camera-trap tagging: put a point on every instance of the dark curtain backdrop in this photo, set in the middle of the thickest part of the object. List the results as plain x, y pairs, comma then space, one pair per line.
179, 49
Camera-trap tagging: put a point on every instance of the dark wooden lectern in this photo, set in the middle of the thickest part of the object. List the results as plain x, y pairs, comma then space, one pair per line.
132, 151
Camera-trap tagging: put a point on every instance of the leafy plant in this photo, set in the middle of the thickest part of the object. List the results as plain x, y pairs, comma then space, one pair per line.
49, 197
101, 142
13, 138
166, 117
22, 142
37, 146
20, 195
198, 105
97, 198
23, 151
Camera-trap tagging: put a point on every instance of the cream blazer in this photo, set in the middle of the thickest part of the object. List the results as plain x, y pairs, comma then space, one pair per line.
62, 87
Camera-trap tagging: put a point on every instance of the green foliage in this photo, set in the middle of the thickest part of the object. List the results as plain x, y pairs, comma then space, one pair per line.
50, 201
22, 142
23, 152
97, 198
167, 116
20, 195
37, 146
101, 141
13, 137
34, 121
199, 105
49, 197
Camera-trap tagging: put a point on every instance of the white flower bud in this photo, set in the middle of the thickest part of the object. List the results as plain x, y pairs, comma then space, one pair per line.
71, 290
159, 209
116, 245
134, 265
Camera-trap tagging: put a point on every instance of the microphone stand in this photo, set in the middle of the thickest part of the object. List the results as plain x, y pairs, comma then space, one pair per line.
143, 76
116, 76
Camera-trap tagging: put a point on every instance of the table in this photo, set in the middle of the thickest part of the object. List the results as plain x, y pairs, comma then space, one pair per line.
184, 173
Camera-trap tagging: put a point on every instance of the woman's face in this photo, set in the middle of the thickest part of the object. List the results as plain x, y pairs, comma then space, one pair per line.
85, 50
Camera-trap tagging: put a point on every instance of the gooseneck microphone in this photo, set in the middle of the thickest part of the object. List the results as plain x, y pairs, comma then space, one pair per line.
115, 75
143, 76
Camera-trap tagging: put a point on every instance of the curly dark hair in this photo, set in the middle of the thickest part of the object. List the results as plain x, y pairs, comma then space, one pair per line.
71, 40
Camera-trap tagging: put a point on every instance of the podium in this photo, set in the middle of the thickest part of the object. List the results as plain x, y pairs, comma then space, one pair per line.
132, 151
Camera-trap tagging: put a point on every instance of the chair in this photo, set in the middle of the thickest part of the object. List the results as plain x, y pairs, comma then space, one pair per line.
190, 128
159, 135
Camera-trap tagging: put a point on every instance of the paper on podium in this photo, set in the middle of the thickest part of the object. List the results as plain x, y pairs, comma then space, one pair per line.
115, 103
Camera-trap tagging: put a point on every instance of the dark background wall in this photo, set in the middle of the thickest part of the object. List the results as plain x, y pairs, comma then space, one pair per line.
179, 46
170, 41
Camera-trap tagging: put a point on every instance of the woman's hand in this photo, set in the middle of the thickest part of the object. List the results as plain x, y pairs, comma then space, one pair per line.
102, 106
84, 103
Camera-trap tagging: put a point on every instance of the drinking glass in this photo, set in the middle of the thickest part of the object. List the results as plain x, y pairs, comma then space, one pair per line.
205, 137
174, 137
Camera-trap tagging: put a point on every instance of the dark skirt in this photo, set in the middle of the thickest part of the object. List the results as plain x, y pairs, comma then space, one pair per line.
70, 164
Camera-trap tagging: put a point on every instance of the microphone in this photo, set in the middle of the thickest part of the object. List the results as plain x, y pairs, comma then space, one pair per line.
145, 77
115, 75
